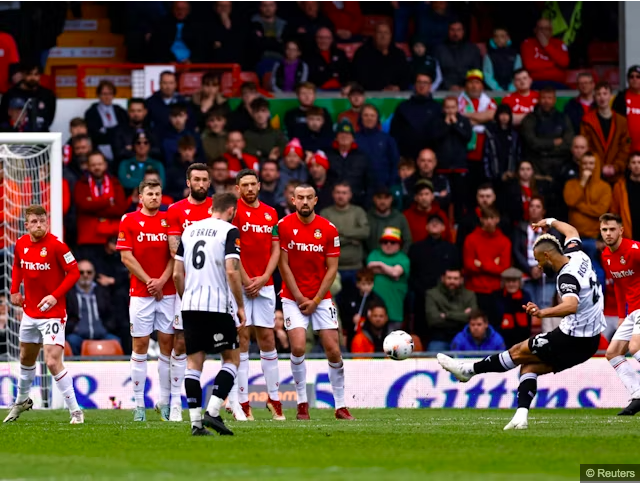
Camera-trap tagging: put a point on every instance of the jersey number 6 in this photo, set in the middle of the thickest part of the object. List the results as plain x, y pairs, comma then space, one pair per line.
198, 258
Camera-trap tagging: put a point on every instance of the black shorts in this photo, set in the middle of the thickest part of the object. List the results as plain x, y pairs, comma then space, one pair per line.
562, 351
209, 332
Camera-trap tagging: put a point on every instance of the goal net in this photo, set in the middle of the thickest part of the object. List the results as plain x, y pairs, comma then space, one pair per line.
32, 174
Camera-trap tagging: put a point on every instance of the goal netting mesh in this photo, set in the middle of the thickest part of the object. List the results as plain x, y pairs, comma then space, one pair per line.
27, 180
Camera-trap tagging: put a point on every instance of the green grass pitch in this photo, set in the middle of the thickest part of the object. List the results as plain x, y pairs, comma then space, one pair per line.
382, 444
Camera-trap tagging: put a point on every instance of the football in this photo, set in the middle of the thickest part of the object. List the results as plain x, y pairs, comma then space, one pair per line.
398, 345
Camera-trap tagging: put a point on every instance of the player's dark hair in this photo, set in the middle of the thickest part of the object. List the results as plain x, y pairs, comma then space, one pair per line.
478, 314
223, 201
258, 104
246, 172
211, 78
453, 269
148, 183
37, 210
196, 167
547, 242
611, 217
305, 186
29, 67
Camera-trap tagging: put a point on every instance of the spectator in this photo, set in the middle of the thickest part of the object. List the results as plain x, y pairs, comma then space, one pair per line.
321, 179
219, 173
587, 198
577, 107
176, 184
125, 134
401, 195
501, 147
131, 171
240, 119
627, 103
315, 135
426, 170
423, 206
103, 118
607, 134
379, 146
16, 121
479, 109
287, 207
269, 30
42, 108
511, 320
523, 100
346, 17
227, 38
179, 120
478, 335
214, 136
9, 57
353, 227
540, 287
237, 156
100, 203
175, 37
391, 268
134, 203
500, 62
423, 62
348, 163
457, 57
545, 57
263, 141
546, 135
432, 26
448, 306
77, 126
160, 103
378, 65
328, 65
429, 259
382, 215
371, 337
519, 191
81, 147
486, 254
305, 23
296, 118
282, 339
271, 186
208, 98
292, 165
290, 71
356, 98
485, 198
626, 193
90, 311
415, 119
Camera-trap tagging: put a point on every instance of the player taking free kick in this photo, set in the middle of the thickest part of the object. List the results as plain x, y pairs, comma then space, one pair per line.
49, 270
308, 264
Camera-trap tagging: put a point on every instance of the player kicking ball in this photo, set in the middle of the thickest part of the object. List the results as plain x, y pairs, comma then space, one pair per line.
207, 276
572, 343
259, 258
49, 270
308, 264
621, 258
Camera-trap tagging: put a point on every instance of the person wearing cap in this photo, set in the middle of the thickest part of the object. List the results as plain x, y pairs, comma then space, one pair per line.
263, 140
391, 281
321, 179
423, 206
356, 97
456, 57
292, 162
627, 103
131, 171
381, 215
15, 109
349, 163
545, 57
478, 335
577, 107
509, 317
103, 118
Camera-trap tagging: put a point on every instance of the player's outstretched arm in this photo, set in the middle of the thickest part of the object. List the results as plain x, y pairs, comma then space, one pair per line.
567, 306
289, 279
565, 228
134, 266
178, 276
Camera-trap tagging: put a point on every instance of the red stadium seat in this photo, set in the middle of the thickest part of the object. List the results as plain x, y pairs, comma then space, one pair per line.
101, 348
249, 77
67, 349
190, 82
612, 76
266, 81
603, 52
572, 76
349, 49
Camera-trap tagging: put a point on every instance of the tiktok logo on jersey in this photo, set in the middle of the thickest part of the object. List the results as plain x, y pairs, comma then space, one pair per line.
623, 273
306, 247
34, 266
152, 237
256, 228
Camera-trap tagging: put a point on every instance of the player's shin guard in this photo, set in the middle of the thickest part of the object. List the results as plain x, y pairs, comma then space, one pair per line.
139, 377
629, 377
178, 366
495, 363
27, 375
527, 389
299, 373
269, 363
65, 386
336, 377
164, 379
194, 396
243, 378
221, 387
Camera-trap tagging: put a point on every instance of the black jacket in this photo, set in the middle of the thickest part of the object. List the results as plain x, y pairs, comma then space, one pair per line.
158, 111
99, 134
277, 80
501, 151
440, 183
239, 119
451, 143
456, 60
430, 258
502, 59
510, 319
314, 141
574, 111
375, 71
123, 139
324, 192
176, 178
356, 170
164, 34
321, 72
295, 120
414, 123
44, 106
620, 103
103, 302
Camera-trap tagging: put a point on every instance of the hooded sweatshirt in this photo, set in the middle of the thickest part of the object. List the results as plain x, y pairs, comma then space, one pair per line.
588, 203
493, 250
501, 147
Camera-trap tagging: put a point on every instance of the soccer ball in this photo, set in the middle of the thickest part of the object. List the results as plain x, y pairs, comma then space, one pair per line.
398, 345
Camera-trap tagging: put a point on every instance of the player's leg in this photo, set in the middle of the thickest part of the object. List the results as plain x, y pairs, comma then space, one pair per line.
163, 324
616, 355
634, 348
53, 358
141, 316
30, 343
526, 392
242, 379
178, 364
233, 403
296, 325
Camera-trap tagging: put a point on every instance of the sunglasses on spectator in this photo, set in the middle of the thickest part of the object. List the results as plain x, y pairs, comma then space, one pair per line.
389, 242
86, 272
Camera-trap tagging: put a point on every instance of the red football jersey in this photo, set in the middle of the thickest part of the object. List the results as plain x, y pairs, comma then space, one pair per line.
624, 267
308, 246
146, 236
182, 213
520, 104
633, 119
256, 234
43, 266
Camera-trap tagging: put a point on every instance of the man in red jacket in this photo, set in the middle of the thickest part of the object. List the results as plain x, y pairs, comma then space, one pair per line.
486, 254
545, 57
100, 201
423, 206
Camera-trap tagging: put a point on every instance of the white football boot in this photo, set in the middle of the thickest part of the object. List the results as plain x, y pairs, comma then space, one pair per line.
455, 367
520, 420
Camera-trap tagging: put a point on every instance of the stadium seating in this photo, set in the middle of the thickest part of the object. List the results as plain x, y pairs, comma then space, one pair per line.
101, 348
572, 76
67, 349
603, 52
